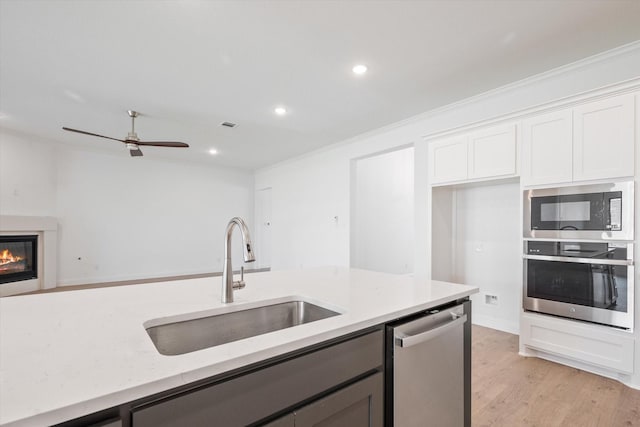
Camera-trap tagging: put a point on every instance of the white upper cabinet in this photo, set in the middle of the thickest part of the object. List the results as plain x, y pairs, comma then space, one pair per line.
492, 152
448, 160
592, 141
604, 139
485, 153
547, 149
588, 142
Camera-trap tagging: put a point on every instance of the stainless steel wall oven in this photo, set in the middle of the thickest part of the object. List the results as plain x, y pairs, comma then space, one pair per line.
592, 281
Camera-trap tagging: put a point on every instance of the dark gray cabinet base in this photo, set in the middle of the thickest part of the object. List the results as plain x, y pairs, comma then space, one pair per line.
253, 397
360, 404
357, 405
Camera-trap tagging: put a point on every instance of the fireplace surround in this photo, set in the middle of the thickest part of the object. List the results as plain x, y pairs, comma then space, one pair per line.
18, 235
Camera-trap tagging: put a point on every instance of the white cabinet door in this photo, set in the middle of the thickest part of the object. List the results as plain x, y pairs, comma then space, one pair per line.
604, 139
448, 160
547, 149
492, 152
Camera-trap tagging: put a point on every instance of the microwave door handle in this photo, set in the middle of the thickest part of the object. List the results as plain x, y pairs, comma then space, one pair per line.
624, 262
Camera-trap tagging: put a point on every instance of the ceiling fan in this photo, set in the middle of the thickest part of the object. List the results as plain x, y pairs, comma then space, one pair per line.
132, 141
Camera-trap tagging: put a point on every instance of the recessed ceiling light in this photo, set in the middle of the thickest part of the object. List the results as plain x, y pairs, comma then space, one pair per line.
359, 69
281, 111
213, 151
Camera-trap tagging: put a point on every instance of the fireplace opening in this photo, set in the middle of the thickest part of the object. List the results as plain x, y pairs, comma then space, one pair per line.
18, 258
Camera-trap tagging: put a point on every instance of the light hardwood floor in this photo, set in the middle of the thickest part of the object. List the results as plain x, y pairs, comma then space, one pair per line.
511, 390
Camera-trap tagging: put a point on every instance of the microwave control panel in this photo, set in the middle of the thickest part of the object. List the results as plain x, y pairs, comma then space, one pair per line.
615, 214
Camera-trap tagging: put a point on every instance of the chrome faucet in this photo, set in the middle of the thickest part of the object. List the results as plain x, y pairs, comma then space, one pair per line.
228, 285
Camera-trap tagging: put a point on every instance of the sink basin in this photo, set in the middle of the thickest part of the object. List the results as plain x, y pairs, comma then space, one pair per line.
185, 336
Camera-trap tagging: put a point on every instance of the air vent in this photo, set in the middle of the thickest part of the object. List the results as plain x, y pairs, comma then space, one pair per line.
228, 124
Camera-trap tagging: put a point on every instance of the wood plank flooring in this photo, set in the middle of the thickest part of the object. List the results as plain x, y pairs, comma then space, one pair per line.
511, 390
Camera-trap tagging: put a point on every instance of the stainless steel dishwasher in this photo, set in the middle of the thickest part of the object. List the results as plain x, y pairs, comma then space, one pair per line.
428, 369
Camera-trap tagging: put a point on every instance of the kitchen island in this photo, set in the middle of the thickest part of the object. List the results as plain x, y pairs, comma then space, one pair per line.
68, 354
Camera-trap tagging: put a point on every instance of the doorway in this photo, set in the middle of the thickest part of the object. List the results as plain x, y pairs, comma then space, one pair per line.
382, 212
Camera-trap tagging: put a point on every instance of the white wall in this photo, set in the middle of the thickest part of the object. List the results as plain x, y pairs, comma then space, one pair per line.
310, 190
123, 218
307, 193
305, 199
27, 177
476, 239
487, 251
442, 233
382, 234
262, 227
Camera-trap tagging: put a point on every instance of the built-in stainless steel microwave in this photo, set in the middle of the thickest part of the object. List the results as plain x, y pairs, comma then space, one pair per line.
601, 211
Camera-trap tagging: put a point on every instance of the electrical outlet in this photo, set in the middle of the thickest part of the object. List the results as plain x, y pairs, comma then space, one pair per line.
491, 299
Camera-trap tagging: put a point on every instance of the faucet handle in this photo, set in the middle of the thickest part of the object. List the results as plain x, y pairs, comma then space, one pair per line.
239, 284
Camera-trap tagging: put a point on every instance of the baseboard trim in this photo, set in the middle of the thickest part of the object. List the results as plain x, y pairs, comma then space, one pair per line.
498, 324
552, 357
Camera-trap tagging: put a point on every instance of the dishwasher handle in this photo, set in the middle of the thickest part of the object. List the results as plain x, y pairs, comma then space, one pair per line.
403, 340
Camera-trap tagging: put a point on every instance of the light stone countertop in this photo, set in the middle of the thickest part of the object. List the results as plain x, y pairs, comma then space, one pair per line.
67, 354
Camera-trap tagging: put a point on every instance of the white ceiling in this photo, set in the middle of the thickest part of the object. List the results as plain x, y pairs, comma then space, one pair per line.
189, 65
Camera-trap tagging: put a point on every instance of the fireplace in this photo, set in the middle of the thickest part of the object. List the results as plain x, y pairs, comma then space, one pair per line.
18, 258
33, 239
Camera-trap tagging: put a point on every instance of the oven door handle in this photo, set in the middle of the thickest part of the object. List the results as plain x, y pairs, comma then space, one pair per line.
626, 262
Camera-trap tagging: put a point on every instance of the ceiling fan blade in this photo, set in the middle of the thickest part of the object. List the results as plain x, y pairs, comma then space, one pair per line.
162, 143
135, 152
91, 134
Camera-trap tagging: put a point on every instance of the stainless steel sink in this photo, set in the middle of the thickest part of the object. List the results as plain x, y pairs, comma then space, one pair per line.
185, 336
